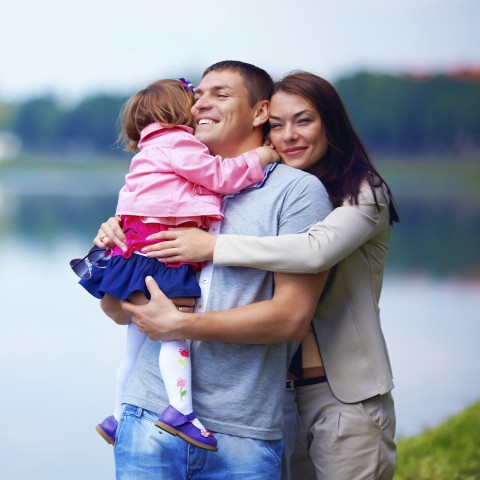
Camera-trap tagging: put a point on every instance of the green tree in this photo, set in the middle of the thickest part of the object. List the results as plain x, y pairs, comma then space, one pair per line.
412, 114
7, 115
93, 124
36, 123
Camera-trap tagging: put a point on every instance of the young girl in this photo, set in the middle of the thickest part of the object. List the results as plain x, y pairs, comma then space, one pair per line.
173, 181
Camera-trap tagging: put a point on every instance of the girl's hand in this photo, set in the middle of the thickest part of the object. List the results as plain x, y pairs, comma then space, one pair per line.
267, 154
182, 245
110, 234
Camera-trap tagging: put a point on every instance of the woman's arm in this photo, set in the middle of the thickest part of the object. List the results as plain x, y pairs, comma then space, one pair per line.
285, 317
326, 243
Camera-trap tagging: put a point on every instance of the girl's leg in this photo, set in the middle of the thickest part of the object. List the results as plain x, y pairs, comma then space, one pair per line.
111, 306
135, 339
176, 368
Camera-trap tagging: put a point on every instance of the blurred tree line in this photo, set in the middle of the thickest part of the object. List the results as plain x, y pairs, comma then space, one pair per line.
438, 114
392, 114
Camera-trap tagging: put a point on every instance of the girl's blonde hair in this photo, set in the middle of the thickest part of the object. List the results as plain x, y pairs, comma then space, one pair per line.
165, 101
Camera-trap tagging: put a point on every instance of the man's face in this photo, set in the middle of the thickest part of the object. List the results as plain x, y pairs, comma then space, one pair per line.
223, 116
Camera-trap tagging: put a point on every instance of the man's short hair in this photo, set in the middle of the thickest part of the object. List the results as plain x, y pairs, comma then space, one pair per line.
257, 81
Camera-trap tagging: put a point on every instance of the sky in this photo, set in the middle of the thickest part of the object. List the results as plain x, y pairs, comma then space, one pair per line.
76, 49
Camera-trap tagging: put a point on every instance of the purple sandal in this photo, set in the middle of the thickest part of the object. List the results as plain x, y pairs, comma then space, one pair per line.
108, 429
176, 423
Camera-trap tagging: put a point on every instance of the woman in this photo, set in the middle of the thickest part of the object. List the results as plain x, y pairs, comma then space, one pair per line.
346, 421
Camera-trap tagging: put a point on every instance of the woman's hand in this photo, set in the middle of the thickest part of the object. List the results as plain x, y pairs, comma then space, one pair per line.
110, 234
182, 245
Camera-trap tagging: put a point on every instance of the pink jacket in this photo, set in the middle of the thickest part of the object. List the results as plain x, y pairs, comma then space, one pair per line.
175, 178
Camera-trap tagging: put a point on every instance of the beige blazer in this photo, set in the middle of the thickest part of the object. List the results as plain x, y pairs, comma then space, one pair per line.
353, 242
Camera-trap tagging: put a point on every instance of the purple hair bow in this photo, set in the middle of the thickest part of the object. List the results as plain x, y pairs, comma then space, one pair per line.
186, 84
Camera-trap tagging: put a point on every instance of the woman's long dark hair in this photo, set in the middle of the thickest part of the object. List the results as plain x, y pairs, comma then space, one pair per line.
346, 164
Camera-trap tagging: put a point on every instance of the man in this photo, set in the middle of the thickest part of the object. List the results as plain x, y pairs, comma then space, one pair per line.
239, 365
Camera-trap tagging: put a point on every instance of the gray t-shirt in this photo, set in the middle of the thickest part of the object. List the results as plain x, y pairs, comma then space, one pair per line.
238, 388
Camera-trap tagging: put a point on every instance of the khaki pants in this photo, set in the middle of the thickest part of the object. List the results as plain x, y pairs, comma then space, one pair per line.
325, 439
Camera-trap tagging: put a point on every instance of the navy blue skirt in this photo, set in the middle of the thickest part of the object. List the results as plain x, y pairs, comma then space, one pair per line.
123, 276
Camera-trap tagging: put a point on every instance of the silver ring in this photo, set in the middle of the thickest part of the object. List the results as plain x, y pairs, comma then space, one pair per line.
102, 237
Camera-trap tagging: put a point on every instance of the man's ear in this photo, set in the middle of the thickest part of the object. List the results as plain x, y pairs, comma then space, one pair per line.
261, 114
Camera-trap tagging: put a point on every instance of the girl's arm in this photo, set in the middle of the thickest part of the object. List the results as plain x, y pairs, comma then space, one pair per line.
192, 160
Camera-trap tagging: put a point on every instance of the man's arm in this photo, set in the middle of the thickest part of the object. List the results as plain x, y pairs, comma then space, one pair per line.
285, 317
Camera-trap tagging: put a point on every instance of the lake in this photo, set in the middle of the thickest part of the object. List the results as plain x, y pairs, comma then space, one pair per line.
60, 353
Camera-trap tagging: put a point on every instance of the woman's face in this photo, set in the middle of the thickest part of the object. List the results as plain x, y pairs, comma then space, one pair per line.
297, 131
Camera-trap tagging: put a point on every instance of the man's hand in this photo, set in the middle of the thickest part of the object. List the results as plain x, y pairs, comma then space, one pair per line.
159, 319
182, 245
110, 234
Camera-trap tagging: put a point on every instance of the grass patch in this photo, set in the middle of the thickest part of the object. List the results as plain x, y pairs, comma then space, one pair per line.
449, 452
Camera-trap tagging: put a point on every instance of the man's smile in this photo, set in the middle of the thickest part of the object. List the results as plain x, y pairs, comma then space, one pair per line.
206, 121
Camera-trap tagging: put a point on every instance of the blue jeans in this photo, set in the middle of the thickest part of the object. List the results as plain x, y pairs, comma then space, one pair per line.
144, 452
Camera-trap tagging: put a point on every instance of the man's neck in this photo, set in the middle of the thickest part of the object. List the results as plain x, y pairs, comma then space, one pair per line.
230, 151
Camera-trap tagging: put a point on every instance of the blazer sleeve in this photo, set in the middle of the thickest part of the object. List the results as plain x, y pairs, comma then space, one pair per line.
326, 243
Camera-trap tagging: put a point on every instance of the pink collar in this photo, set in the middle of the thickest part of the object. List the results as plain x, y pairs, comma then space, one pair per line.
157, 127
